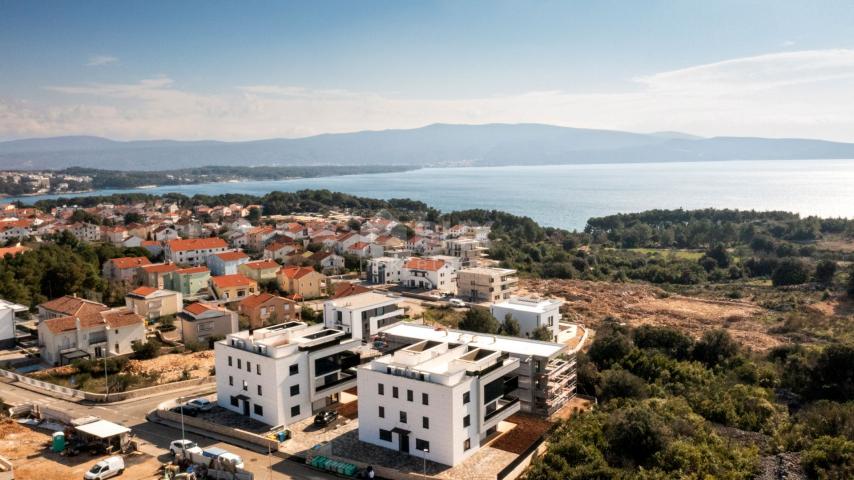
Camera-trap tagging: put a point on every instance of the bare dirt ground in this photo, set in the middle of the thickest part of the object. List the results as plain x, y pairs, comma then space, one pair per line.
637, 304
27, 449
172, 366
527, 430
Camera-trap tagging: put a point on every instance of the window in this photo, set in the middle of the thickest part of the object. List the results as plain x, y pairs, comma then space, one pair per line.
117, 345
467, 444
234, 401
425, 423
259, 390
245, 386
293, 369
259, 410
295, 411
466, 420
380, 389
249, 366
409, 395
402, 416
294, 390
394, 392
258, 368
239, 363
385, 435
230, 381
422, 445
229, 360
425, 399
466, 397
382, 412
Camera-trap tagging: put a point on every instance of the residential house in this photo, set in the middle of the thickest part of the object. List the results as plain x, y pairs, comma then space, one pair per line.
284, 373
267, 309
279, 249
201, 322
258, 237
231, 288
13, 251
155, 275
152, 303
346, 289
430, 274
359, 250
94, 334
486, 284
226, 263
362, 315
115, 234
194, 251
8, 319
164, 233
68, 306
260, 271
531, 313
152, 246
123, 269
191, 282
383, 270
329, 263
303, 282
86, 232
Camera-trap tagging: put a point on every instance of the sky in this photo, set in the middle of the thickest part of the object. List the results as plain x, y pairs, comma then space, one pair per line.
262, 69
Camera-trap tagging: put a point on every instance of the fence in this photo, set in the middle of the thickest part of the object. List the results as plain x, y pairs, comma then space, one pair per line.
101, 397
206, 426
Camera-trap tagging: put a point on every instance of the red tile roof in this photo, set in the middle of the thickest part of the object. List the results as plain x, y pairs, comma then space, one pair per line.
235, 280
12, 251
262, 264
254, 301
120, 317
130, 262
143, 291
69, 305
199, 269
197, 308
346, 289
183, 244
296, 272
424, 264
160, 268
231, 256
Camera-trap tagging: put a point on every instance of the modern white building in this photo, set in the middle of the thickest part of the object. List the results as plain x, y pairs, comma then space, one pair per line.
193, 251
429, 273
362, 315
546, 371
383, 270
531, 313
8, 311
284, 373
438, 400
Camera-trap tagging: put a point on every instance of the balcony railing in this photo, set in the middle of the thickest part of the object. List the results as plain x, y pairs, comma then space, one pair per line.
504, 404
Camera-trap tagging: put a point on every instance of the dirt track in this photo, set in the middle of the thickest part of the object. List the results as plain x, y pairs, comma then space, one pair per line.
638, 304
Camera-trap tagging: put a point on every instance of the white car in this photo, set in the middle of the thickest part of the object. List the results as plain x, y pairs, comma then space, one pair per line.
106, 468
202, 404
184, 446
456, 302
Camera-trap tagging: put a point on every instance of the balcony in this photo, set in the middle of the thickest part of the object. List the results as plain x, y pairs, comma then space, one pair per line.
335, 383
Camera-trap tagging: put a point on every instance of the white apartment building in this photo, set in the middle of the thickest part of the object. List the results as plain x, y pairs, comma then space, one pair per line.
488, 284
437, 400
193, 251
531, 313
385, 270
429, 273
362, 315
8, 320
284, 373
546, 370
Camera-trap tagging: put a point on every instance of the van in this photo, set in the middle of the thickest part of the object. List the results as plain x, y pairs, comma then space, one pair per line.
106, 468
215, 452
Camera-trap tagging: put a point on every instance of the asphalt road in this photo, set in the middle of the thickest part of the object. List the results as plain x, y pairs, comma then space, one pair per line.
132, 415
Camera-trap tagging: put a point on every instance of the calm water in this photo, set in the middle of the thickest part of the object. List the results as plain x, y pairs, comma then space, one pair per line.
567, 195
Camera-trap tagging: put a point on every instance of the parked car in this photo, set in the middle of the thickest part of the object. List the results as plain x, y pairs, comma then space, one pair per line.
202, 404
215, 452
189, 410
106, 468
325, 417
183, 446
456, 302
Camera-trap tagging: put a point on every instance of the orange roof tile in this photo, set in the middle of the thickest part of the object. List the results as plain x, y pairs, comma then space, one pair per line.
196, 308
69, 305
130, 262
296, 272
262, 265
235, 280
160, 268
199, 269
231, 256
182, 244
254, 301
143, 291
346, 289
12, 251
424, 264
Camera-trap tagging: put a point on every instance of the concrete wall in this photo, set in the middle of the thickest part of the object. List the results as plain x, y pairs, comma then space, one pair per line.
205, 425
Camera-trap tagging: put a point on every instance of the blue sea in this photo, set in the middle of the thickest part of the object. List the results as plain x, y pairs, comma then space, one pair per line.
567, 195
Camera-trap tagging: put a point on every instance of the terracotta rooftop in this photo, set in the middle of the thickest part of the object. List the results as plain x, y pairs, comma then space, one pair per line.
235, 280
199, 269
160, 268
143, 291
262, 265
231, 256
197, 308
254, 301
345, 289
424, 264
296, 272
69, 305
116, 318
130, 262
182, 244
12, 251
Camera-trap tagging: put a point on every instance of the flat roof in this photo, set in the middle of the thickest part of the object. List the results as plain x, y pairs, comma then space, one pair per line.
363, 300
532, 305
518, 346
103, 429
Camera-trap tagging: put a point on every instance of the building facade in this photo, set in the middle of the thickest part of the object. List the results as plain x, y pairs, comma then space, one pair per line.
362, 315
531, 313
486, 284
193, 251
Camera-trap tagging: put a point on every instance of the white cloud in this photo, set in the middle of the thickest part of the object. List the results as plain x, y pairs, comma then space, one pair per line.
100, 60
789, 94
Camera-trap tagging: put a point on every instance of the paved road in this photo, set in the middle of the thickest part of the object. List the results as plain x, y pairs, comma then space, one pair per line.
132, 415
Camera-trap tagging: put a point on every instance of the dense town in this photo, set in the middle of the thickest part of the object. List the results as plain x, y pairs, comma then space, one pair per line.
355, 345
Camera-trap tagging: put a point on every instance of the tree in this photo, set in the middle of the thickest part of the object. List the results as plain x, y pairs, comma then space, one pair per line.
637, 432
510, 326
133, 217
609, 346
715, 347
832, 376
620, 384
829, 458
790, 271
308, 315
354, 224
824, 272
542, 333
850, 286
479, 320
667, 340
254, 215
146, 350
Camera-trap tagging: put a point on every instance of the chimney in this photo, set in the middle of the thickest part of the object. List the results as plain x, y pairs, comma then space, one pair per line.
77, 323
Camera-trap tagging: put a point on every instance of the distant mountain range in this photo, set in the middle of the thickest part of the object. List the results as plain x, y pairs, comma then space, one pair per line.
433, 145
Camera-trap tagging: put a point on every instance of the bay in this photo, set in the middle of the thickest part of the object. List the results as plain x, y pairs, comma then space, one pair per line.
567, 195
